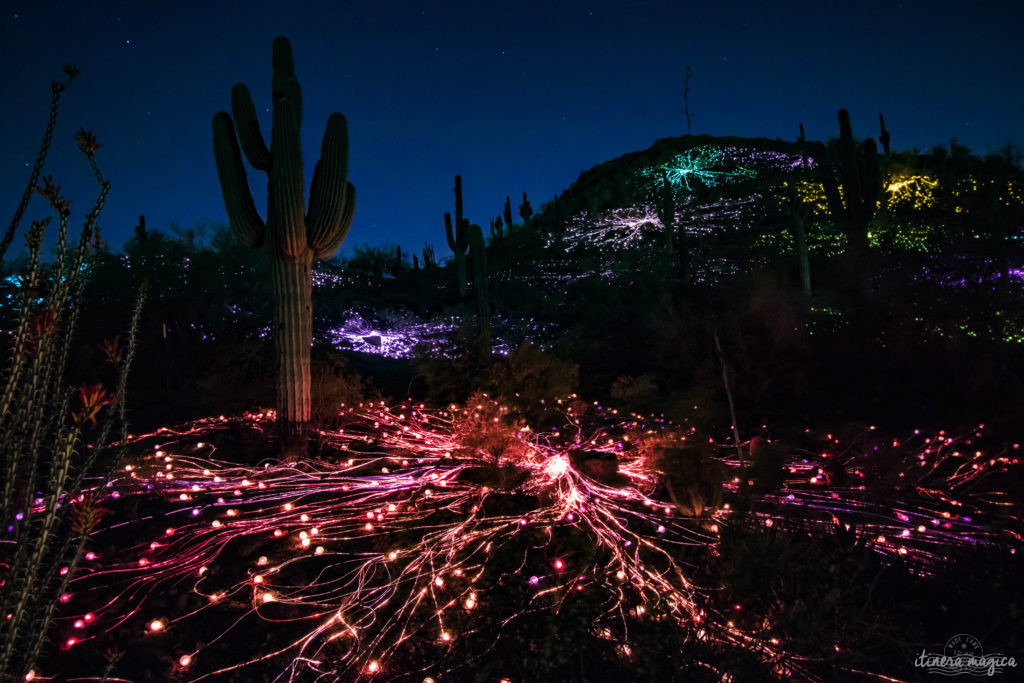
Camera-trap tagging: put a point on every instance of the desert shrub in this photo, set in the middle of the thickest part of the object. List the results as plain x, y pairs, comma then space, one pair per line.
334, 385
483, 427
767, 460
453, 376
531, 380
693, 478
636, 392
239, 377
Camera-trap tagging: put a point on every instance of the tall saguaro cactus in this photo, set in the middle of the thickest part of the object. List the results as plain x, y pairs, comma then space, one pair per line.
291, 235
676, 238
458, 239
858, 171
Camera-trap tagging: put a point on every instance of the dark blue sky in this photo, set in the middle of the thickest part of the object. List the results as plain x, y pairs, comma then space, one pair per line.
513, 95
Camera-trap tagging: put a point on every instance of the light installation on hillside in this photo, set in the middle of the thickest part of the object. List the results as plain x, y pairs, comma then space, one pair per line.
614, 229
401, 543
715, 166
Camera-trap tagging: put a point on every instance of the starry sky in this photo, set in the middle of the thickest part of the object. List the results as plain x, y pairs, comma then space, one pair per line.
515, 95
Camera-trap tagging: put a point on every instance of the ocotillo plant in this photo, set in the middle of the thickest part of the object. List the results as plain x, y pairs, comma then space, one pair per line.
458, 240
291, 235
478, 253
43, 430
57, 89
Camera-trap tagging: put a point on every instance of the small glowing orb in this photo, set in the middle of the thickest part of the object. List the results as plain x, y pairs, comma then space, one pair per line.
262, 561
70, 642
268, 597
445, 636
184, 660
79, 623
620, 575
559, 565
373, 667
156, 625
534, 580
319, 550
89, 617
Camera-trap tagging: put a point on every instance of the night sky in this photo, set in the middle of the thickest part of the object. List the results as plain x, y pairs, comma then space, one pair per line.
513, 95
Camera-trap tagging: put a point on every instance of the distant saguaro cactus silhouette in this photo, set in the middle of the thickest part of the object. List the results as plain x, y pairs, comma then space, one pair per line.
458, 239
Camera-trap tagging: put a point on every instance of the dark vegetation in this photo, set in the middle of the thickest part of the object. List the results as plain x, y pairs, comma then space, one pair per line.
901, 310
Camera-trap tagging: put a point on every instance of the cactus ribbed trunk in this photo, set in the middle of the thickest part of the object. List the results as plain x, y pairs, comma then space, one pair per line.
293, 336
460, 272
803, 257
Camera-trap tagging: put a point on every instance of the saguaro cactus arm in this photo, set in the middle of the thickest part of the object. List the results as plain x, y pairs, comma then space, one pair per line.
331, 195
332, 240
242, 214
883, 136
249, 128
